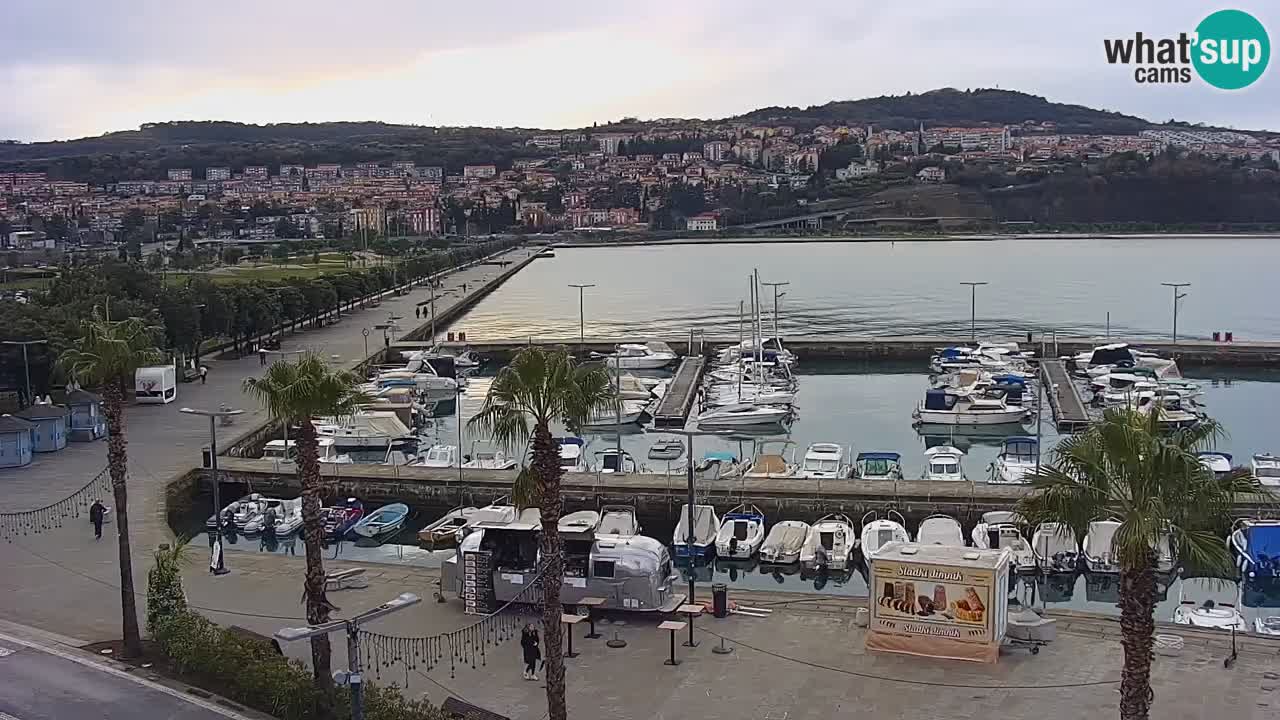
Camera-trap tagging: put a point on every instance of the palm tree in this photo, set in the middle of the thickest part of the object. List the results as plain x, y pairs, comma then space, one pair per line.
1125, 468
544, 386
295, 393
106, 356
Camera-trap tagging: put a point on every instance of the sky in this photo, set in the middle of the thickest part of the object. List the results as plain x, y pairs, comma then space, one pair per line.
74, 68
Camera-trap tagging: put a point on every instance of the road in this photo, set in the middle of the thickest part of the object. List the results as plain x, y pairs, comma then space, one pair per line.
52, 683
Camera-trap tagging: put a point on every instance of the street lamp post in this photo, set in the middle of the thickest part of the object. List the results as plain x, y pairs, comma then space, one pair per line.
689, 537
581, 315
973, 309
26, 366
353, 676
775, 286
1176, 297
365, 333
216, 565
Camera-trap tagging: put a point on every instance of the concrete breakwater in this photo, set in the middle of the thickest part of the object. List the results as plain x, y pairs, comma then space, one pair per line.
779, 498
914, 348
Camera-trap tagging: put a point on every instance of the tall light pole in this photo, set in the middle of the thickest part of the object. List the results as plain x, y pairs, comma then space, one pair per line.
973, 309
353, 677
216, 565
689, 537
1176, 297
775, 286
26, 367
581, 315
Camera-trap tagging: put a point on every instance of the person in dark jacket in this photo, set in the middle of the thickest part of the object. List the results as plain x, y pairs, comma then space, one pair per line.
97, 514
532, 653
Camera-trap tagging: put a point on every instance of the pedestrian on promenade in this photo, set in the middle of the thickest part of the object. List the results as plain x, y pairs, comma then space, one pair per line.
464, 288
262, 355
97, 513
417, 312
532, 654
204, 373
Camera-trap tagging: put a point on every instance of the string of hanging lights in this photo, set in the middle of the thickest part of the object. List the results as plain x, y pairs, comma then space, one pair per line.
51, 517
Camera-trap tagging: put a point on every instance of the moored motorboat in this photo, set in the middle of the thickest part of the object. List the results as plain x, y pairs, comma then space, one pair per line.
572, 457
488, 458
618, 521
942, 463
280, 517
1207, 602
382, 522
740, 414
940, 530
1098, 554
1256, 546
878, 466
705, 526
236, 514
340, 518
1269, 625
878, 531
614, 461
666, 448
444, 531
1055, 548
1266, 469
741, 532
947, 407
637, 356
783, 543
626, 412
1218, 463
830, 544
824, 461
1002, 530
773, 464
438, 456
1018, 458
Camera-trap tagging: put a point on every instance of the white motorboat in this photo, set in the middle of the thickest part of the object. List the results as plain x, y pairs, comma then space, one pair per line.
275, 516
497, 513
572, 457
1256, 546
438, 456
609, 461
382, 522
824, 461
784, 542
579, 525
947, 407
942, 463
1206, 602
1105, 359
1055, 548
741, 533
753, 392
629, 387
878, 466
1018, 458
743, 414
830, 544
488, 458
1269, 625
773, 464
465, 358
628, 412
1098, 555
1001, 530
278, 452
236, 514
706, 524
667, 448
1216, 462
618, 521
365, 429
1266, 468
748, 372
637, 356
444, 531
940, 530
425, 380
985, 357
877, 531
769, 348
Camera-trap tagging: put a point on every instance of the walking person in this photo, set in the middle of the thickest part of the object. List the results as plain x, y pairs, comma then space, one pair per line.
97, 514
532, 653
262, 355
204, 373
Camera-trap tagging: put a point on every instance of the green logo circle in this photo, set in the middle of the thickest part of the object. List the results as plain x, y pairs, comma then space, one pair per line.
1232, 49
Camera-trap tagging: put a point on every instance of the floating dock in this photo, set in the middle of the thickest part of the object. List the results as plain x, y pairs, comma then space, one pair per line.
1069, 413
673, 408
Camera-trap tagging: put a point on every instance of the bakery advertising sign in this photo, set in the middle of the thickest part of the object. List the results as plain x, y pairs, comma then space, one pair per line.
932, 601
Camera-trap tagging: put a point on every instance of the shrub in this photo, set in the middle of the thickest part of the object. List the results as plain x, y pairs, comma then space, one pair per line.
252, 673
165, 596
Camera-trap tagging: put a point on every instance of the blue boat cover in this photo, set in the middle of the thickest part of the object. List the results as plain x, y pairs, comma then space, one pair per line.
952, 352
1021, 446
935, 400
1009, 380
879, 456
720, 455
1263, 544
570, 441
743, 516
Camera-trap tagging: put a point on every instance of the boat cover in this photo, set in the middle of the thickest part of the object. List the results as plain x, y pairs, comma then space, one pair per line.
769, 464
895, 457
935, 400
1262, 542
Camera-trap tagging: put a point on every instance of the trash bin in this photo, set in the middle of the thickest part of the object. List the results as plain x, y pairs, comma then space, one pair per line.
462, 337
205, 459
720, 600
1217, 336
1230, 336
450, 336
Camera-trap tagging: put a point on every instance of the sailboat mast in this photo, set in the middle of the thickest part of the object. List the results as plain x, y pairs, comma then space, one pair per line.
739, 359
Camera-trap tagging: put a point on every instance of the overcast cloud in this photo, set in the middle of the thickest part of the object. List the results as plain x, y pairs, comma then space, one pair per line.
70, 68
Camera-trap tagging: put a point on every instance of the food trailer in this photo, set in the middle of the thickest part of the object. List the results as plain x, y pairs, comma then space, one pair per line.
939, 601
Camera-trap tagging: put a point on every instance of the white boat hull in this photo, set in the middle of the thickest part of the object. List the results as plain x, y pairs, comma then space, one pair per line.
998, 417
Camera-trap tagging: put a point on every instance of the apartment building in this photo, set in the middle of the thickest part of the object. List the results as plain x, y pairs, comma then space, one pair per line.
217, 174
179, 174
479, 172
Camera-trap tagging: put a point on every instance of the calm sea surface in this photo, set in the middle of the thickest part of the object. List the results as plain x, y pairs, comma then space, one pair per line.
897, 288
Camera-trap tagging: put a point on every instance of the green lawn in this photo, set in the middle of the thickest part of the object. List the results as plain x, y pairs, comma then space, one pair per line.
261, 272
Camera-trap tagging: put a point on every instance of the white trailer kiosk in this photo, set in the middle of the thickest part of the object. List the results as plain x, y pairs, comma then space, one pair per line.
155, 385
939, 601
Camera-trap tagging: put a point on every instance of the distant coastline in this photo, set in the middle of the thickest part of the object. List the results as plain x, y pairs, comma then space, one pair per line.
727, 237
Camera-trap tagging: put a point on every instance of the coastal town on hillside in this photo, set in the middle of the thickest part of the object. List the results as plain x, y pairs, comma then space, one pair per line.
556, 181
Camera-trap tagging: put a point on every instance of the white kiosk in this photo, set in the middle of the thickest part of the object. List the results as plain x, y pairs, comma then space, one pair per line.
939, 601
